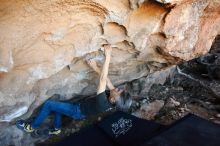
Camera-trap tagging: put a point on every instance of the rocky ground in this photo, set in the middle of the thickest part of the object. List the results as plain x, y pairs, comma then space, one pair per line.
181, 97
192, 88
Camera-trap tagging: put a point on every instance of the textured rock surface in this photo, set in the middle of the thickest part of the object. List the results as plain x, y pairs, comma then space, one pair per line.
149, 110
43, 44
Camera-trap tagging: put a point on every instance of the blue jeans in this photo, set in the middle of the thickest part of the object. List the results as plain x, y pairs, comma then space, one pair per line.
59, 108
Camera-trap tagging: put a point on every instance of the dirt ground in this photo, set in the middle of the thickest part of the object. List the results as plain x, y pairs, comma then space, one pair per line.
190, 97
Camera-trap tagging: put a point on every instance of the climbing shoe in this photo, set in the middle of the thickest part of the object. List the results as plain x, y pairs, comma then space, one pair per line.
21, 124
54, 131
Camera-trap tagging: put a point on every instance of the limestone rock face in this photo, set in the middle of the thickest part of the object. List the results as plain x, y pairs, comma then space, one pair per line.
44, 44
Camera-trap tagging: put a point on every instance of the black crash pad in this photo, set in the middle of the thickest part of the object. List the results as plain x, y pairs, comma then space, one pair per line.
189, 131
89, 136
128, 130
121, 129
118, 129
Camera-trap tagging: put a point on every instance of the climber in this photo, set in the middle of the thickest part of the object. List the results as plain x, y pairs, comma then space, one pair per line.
77, 110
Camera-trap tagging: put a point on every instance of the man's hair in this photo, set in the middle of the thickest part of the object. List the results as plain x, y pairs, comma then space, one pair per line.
124, 99
127, 101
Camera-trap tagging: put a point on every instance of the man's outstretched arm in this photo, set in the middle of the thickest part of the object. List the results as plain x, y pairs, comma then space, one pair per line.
94, 66
104, 73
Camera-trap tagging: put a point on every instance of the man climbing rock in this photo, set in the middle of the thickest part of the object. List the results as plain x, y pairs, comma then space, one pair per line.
79, 110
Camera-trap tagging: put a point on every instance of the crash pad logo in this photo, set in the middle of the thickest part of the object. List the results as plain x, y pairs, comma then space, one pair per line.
122, 126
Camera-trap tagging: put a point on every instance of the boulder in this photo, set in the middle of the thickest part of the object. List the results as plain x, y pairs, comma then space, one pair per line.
44, 44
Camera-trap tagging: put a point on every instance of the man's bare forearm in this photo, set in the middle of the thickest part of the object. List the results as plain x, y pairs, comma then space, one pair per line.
104, 73
109, 83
